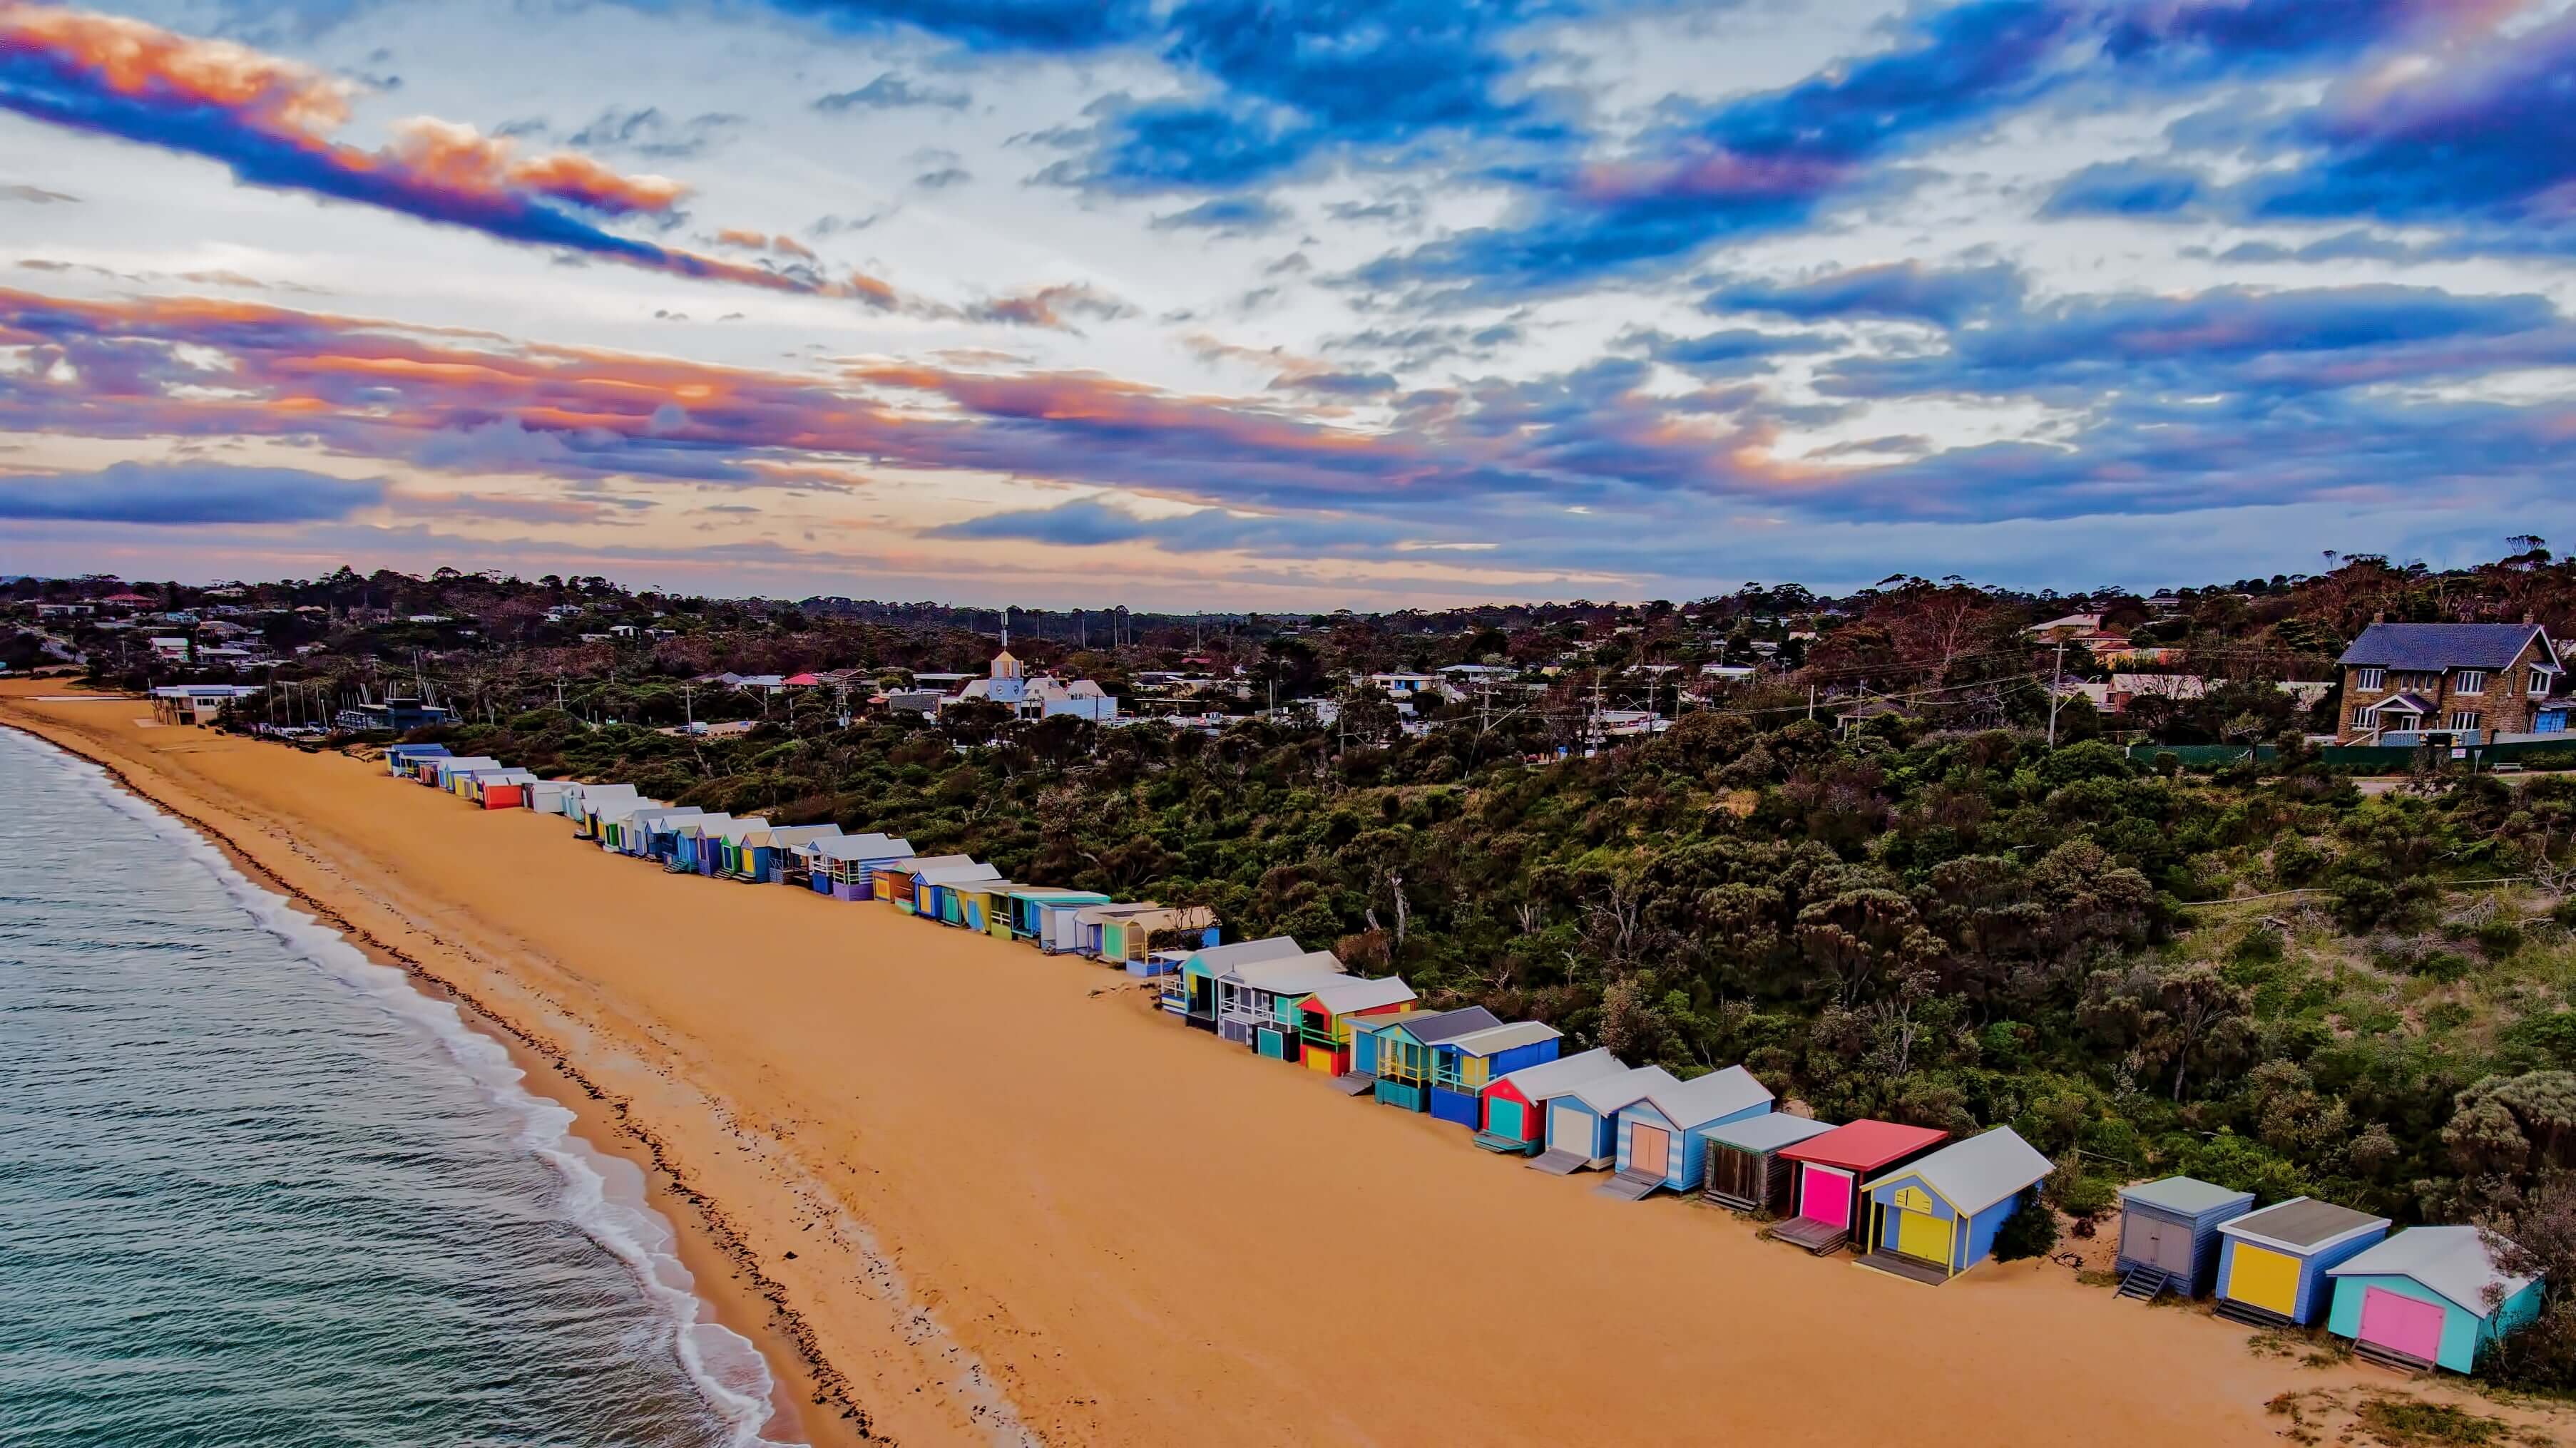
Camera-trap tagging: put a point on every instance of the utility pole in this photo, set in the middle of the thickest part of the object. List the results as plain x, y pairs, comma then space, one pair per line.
2056, 694
1811, 703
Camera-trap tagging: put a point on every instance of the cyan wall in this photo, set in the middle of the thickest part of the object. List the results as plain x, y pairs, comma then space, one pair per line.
2464, 1334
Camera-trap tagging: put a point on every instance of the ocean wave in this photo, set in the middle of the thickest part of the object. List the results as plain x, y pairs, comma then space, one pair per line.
603, 1196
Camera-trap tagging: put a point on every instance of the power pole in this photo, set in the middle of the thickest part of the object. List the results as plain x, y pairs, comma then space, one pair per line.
2056, 694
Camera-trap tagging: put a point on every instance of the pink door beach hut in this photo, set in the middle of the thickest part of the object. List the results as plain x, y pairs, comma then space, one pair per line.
1831, 1167
2429, 1297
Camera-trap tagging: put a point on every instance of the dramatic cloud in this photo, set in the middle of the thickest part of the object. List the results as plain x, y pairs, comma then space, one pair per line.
184, 493
1902, 291
270, 121
889, 92
1229, 216
1054, 307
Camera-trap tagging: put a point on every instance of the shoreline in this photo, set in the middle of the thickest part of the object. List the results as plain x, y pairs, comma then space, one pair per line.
1012, 1203
806, 1390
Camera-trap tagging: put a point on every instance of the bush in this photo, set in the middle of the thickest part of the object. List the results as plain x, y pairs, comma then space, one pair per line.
2499, 938
2029, 1232
2087, 1197
2362, 903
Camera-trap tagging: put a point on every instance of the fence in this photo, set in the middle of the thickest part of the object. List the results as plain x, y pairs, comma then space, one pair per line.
2528, 754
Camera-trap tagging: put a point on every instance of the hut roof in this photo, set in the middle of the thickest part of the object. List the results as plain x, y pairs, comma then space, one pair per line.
1119, 910
1769, 1131
2185, 1196
802, 834
864, 847
957, 874
2454, 1261
1706, 1098
1557, 1077
1504, 1038
735, 829
1606, 1094
1974, 1174
1289, 974
1056, 893
1864, 1145
1438, 1026
1360, 993
2302, 1224
1217, 959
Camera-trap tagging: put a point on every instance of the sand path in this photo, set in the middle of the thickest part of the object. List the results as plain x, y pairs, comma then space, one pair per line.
982, 1155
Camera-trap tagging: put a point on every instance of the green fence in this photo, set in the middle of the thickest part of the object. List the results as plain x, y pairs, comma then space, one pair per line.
2205, 756
2529, 754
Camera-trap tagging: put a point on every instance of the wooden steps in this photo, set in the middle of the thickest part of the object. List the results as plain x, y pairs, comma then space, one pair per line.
2391, 1359
1507, 1145
1558, 1163
2145, 1284
1629, 1186
1817, 1237
2250, 1315
1897, 1264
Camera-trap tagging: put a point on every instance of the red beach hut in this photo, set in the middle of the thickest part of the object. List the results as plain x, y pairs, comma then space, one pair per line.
1831, 1169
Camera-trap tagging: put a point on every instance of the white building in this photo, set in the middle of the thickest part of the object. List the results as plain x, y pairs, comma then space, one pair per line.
1043, 696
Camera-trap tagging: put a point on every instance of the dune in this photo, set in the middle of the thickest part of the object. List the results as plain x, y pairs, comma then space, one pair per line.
996, 1194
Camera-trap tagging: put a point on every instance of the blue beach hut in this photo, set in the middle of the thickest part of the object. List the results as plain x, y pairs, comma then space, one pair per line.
1583, 1124
403, 760
1461, 1069
2169, 1235
2272, 1263
1937, 1216
1663, 1137
2429, 1297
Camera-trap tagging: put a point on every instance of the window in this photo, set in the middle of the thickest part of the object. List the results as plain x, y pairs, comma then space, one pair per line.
2464, 721
2371, 679
2470, 681
2540, 683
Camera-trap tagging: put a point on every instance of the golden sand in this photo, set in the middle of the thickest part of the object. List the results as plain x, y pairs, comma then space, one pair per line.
1016, 1195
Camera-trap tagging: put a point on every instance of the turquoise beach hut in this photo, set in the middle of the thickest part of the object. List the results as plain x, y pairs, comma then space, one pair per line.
2429, 1297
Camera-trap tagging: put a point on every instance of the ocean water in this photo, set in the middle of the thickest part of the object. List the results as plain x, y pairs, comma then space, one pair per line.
255, 1189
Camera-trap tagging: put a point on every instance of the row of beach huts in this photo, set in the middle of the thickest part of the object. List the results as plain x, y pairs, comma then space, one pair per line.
1908, 1199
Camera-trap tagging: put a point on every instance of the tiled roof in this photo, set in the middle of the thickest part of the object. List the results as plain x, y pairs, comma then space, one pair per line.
2439, 645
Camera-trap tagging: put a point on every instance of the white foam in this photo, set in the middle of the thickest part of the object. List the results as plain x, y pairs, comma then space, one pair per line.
603, 1195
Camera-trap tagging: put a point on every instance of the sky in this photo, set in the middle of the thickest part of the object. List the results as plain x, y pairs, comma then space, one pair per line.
1253, 304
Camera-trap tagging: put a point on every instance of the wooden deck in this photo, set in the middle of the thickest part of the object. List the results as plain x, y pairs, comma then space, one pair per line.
1817, 1237
1896, 1264
1352, 1083
1558, 1163
1630, 1186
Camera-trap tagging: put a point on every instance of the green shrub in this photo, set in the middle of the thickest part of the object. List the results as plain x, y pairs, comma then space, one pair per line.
2087, 1196
2029, 1232
2499, 938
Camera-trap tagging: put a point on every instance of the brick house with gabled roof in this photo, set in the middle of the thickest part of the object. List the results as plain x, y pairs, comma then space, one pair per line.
2472, 681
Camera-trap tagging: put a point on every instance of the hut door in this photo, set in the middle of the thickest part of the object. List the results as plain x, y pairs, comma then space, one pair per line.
1571, 1128
1825, 1195
2407, 1324
1503, 1118
1650, 1150
2173, 1248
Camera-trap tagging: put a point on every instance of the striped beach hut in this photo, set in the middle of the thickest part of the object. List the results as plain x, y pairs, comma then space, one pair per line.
1326, 1014
1937, 1216
2169, 1235
2429, 1297
1030, 904
844, 867
1744, 1170
769, 855
1408, 1052
1583, 1123
654, 834
1832, 1165
1515, 1103
1663, 1138
2272, 1264
934, 887
402, 761
984, 906
693, 843
1461, 1068
1190, 992
1249, 997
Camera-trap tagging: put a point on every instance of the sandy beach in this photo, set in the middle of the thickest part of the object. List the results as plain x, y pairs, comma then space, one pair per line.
985, 1194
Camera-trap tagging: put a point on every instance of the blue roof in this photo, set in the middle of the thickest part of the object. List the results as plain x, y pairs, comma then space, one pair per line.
2439, 645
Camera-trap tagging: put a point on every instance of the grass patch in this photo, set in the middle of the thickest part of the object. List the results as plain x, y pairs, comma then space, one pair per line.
2408, 1423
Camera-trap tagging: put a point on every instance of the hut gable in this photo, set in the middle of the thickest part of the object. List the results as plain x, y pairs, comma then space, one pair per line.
1768, 1132
1713, 1097
2455, 1262
1977, 1173
1437, 1027
1347, 994
1535, 1084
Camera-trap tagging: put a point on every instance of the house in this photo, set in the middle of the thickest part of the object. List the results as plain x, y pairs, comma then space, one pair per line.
196, 703
1743, 1169
2472, 681
1663, 1138
1407, 1055
1830, 1168
2169, 1235
1256, 1003
1191, 992
170, 649
1461, 1068
1583, 1123
1402, 687
1038, 696
1515, 1103
1028, 908
1327, 1014
2272, 1263
2068, 626
1937, 1216
2429, 1297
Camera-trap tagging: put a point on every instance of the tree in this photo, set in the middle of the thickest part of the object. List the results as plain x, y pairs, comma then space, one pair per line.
2182, 1017
1862, 936
2515, 1127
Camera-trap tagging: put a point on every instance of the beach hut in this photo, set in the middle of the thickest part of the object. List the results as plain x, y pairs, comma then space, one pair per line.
1325, 1016
2272, 1264
892, 880
1936, 1216
1190, 992
2169, 1235
1583, 1123
726, 859
767, 855
1744, 1170
1089, 925
402, 761
1361, 1079
608, 818
590, 802
1248, 999
1514, 1108
1663, 1137
933, 887
692, 843
1128, 936
503, 791
1408, 1052
1462, 1067
654, 834
1028, 903
984, 906
546, 796
844, 866
1832, 1165
443, 771
2429, 1297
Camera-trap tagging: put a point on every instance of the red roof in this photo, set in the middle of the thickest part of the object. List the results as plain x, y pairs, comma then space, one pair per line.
802, 679
1864, 1145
